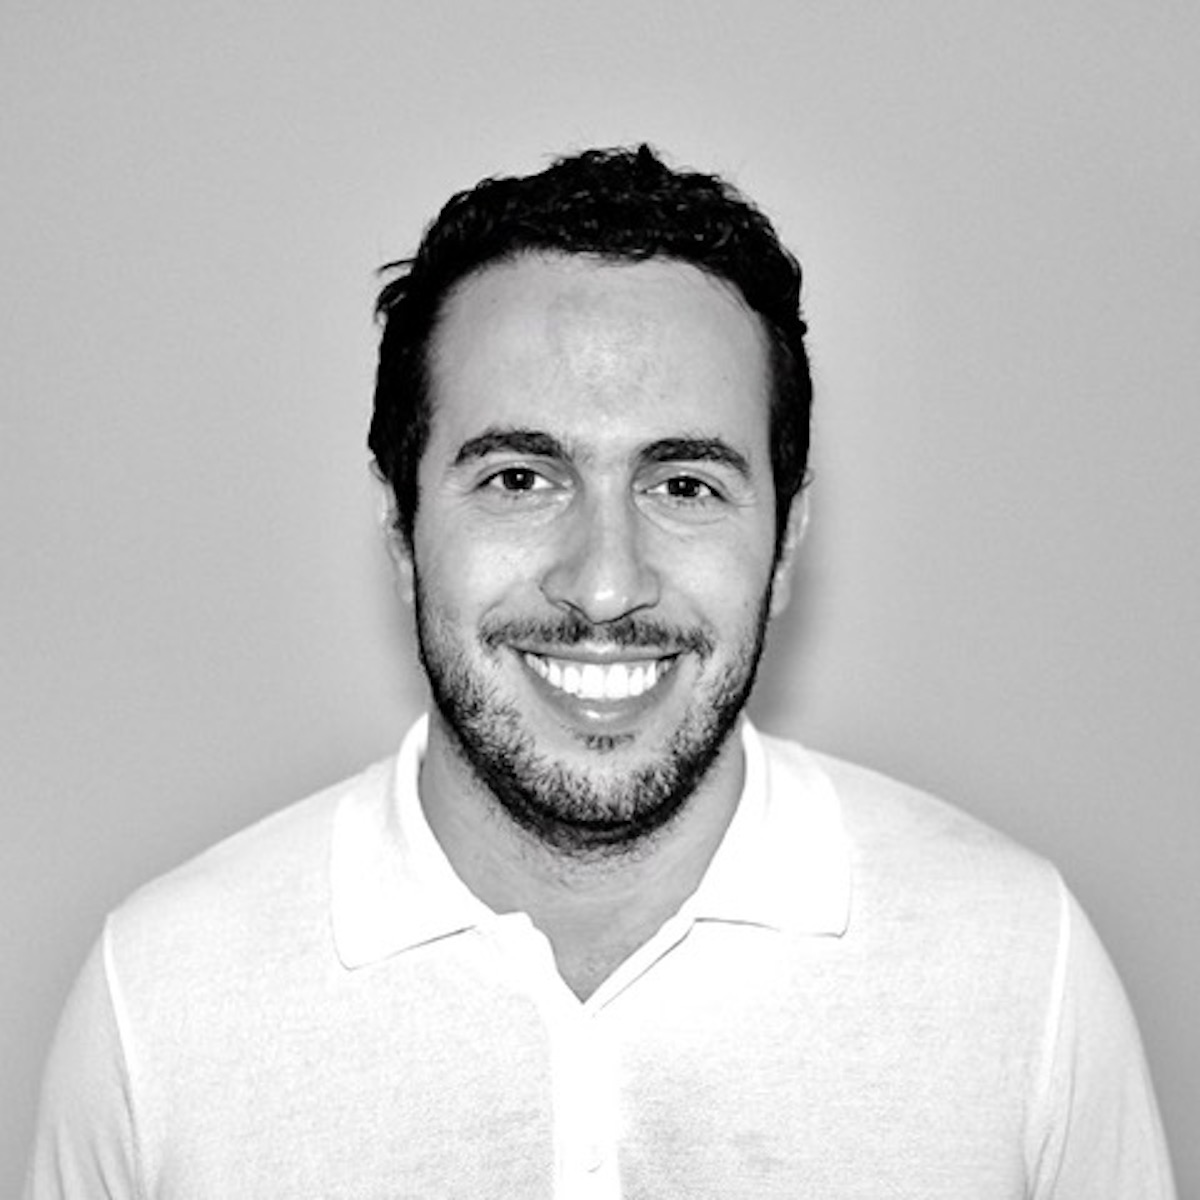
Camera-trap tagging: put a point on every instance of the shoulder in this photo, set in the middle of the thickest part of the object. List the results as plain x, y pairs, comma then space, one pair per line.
911, 850
240, 893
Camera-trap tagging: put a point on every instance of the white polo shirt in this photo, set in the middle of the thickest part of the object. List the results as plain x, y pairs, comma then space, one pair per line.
869, 995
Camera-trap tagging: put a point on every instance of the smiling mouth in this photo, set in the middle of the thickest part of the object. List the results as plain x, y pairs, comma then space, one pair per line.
599, 681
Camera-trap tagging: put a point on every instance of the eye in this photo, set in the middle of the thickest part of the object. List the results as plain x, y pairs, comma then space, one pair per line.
515, 480
686, 488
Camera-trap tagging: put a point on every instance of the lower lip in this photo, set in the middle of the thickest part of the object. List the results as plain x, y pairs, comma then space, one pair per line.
608, 716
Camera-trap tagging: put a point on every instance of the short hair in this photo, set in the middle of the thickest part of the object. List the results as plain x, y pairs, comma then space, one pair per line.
620, 205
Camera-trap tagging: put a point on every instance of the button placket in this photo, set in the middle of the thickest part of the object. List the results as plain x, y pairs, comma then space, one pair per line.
586, 1107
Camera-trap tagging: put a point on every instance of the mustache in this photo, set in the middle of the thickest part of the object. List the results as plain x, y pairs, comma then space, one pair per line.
572, 629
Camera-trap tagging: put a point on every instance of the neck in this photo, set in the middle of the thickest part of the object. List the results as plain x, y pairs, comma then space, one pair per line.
595, 910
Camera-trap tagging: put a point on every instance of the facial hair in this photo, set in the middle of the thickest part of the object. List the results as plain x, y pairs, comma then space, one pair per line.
581, 813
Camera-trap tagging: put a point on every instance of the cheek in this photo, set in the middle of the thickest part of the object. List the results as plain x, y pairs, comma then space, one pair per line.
728, 572
465, 574
735, 601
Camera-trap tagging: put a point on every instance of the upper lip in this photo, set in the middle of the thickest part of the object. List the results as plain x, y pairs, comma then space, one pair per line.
600, 655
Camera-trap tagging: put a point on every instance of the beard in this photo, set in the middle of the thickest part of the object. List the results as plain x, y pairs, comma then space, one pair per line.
583, 813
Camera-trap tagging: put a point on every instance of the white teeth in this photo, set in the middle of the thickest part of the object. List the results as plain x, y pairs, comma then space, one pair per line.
593, 681
572, 679
637, 681
616, 685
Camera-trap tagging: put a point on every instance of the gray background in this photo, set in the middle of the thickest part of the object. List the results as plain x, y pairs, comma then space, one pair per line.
997, 209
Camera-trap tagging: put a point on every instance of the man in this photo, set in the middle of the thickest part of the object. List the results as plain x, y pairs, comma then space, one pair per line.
590, 934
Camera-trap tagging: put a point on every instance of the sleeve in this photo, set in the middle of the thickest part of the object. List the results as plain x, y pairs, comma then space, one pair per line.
1100, 1134
84, 1145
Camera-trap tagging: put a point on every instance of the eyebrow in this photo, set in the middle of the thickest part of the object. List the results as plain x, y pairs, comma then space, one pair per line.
511, 441
539, 444
697, 449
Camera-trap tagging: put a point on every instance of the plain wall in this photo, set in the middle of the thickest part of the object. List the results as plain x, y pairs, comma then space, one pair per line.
997, 208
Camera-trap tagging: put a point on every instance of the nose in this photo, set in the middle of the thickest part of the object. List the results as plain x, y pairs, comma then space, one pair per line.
600, 568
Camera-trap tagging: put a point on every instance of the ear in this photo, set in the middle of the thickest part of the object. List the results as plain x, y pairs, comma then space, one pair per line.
781, 580
398, 548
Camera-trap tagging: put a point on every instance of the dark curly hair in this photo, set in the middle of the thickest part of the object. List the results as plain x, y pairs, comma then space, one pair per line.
619, 205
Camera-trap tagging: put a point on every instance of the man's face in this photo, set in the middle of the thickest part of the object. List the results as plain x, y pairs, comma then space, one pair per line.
593, 553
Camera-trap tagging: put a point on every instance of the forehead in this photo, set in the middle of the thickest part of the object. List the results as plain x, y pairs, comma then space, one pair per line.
575, 344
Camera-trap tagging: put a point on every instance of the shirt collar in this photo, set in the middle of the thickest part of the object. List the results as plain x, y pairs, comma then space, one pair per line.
392, 887
783, 862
